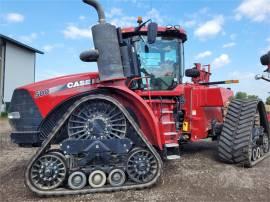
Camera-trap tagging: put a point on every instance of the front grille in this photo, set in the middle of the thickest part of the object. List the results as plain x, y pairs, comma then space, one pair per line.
30, 116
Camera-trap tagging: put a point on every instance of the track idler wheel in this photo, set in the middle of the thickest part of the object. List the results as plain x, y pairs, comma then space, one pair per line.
48, 171
77, 180
97, 179
142, 166
117, 177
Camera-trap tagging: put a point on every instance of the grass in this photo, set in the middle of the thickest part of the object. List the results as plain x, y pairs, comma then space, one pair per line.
3, 114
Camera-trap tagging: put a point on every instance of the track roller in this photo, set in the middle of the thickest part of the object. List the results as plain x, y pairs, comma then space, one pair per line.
77, 180
117, 177
97, 179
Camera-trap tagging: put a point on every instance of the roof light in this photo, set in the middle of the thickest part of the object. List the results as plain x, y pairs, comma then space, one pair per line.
139, 20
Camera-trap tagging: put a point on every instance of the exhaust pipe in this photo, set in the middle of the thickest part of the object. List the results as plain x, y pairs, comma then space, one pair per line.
99, 9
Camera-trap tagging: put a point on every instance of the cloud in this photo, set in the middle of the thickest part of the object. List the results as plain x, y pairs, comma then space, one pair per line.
14, 17
255, 10
229, 45
124, 21
203, 55
74, 32
242, 75
266, 48
233, 36
210, 28
50, 47
82, 17
189, 23
114, 12
221, 61
155, 16
28, 38
118, 18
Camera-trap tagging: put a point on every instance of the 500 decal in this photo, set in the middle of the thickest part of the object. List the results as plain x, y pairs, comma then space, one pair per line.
41, 93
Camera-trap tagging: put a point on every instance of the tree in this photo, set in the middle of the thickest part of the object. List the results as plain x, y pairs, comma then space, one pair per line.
267, 100
241, 95
252, 97
244, 95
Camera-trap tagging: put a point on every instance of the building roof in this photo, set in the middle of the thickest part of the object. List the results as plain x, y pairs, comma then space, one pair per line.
6, 38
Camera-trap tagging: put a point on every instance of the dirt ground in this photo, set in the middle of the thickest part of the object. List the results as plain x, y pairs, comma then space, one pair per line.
197, 176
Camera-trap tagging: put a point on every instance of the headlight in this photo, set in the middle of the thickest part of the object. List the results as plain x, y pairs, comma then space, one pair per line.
14, 115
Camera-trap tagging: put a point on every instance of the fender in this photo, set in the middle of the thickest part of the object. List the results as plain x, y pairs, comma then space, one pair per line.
145, 115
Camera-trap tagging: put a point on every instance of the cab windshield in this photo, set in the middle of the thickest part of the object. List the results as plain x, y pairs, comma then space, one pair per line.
161, 61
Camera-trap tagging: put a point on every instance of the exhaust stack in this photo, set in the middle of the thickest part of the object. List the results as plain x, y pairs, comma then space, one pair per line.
99, 9
107, 50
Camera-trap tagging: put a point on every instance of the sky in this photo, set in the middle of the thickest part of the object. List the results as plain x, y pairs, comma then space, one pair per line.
231, 35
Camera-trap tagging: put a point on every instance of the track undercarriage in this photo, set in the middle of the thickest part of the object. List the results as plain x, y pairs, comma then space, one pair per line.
245, 136
105, 151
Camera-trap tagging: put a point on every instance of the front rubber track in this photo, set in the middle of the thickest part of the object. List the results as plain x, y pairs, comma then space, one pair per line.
52, 135
236, 137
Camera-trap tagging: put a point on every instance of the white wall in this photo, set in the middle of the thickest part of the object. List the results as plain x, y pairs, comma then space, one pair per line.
1, 74
19, 69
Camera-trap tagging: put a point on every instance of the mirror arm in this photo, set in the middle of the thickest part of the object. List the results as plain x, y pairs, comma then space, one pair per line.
137, 29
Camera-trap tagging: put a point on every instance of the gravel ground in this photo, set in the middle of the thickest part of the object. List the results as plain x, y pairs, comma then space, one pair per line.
197, 176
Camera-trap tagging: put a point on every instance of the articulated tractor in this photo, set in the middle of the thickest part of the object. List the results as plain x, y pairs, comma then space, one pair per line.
112, 130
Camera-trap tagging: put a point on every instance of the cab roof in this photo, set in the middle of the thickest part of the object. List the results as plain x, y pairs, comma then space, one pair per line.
174, 31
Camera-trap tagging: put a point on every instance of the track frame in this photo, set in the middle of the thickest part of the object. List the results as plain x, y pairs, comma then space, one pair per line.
47, 143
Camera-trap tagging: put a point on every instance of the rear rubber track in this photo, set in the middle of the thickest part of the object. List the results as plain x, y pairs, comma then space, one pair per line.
235, 143
46, 145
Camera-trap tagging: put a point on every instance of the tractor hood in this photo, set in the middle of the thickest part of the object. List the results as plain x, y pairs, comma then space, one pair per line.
49, 93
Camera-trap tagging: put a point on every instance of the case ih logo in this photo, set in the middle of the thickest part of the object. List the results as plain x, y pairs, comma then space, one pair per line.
79, 83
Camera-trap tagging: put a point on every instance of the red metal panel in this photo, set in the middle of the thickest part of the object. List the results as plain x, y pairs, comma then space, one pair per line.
147, 120
203, 105
60, 90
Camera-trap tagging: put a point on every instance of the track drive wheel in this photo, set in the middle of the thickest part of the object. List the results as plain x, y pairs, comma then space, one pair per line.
142, 166
244, 138
48, 171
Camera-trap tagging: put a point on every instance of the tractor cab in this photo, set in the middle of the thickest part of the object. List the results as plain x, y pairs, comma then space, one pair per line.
155, 54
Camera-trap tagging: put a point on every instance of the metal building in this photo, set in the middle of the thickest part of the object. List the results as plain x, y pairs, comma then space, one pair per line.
17, 67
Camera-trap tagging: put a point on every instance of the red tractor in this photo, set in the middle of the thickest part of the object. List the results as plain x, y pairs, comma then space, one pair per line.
111, 130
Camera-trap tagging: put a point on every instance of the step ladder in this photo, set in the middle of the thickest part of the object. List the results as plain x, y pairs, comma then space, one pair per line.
172, 151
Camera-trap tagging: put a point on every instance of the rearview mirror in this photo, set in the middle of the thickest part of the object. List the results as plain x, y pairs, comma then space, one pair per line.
152, 32
265, 59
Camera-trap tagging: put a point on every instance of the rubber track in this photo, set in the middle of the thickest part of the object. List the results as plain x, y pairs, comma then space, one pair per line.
236, 137
51, 136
